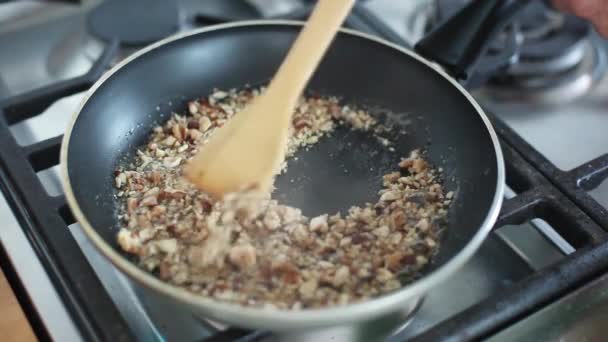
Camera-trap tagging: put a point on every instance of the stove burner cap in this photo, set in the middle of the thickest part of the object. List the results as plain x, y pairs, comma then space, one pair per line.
134, 22
552, 87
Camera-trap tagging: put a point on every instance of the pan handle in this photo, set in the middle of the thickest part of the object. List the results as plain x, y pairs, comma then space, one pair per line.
458, 42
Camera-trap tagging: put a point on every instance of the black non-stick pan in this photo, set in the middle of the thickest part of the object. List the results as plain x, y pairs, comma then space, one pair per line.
434, 110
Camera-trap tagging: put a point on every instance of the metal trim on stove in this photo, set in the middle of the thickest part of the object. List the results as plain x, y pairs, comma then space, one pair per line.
574, 183
544, 191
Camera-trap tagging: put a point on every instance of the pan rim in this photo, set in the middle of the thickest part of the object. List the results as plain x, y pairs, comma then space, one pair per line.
280, 320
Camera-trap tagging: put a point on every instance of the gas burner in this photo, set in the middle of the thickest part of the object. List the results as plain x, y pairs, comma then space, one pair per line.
134, 22
550, 87
544, 56
137, 23
558, 60
550, 42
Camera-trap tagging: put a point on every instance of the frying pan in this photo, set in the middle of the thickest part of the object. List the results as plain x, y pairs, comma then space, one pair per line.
435, 111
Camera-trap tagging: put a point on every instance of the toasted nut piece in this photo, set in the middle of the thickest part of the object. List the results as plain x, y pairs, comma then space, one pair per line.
319, 223
128, 242
242, 256
308, 288
204, 124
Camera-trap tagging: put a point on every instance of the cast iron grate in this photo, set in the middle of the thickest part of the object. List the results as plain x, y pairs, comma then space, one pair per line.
544, 191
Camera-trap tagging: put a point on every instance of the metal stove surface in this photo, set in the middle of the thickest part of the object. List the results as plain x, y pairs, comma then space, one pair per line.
507, 256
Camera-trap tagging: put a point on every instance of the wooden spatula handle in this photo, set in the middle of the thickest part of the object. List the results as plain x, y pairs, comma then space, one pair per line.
309, 48
247, 152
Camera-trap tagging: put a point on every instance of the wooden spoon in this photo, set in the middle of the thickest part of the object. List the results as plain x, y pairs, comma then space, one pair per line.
248, 151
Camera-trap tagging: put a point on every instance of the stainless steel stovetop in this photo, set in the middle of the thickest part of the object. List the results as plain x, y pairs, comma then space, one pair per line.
41, 43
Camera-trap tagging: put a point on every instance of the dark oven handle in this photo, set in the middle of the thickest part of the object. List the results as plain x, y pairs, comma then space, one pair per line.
458, 42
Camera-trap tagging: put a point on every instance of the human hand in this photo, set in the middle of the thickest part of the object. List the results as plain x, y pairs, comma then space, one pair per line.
595, 11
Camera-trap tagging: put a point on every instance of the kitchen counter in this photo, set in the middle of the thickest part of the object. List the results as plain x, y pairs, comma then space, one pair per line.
13, 324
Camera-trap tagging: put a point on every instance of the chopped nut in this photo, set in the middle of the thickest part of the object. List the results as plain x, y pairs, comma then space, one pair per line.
395, 238
177, 133
219, 95
389, 196
391, 177
398, 219
165, 271
169, 141
155, 177
299, 123
289, 214
215, 246
308, 288
381, 232
421, 260
143, 221
121, 179
149, 201
159, 210
423, 224
359, 238
168, 246
300, 233
194, 134
341, 276
393, 261
172, 193
160, 153
272, 220
182, 148
152, 192
406, 164
319, 223
196, 257
391, 285
325, 264
418, 165
242, 256
131, 205
204, 124
128, 242
287, 272
172, 162
383, 275
193, 107
277, 258
364, 273
193, 124
146, 234
345, 241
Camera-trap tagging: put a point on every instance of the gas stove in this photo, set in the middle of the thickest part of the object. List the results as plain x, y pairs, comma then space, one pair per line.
545, 259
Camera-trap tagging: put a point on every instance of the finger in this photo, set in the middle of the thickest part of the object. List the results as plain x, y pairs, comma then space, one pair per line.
562, 5
595, 11
602, 28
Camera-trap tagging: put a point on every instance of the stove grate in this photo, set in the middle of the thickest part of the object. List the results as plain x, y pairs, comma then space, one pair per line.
44, 219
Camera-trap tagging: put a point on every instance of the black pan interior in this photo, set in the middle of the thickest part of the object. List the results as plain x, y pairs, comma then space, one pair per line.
338, 172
